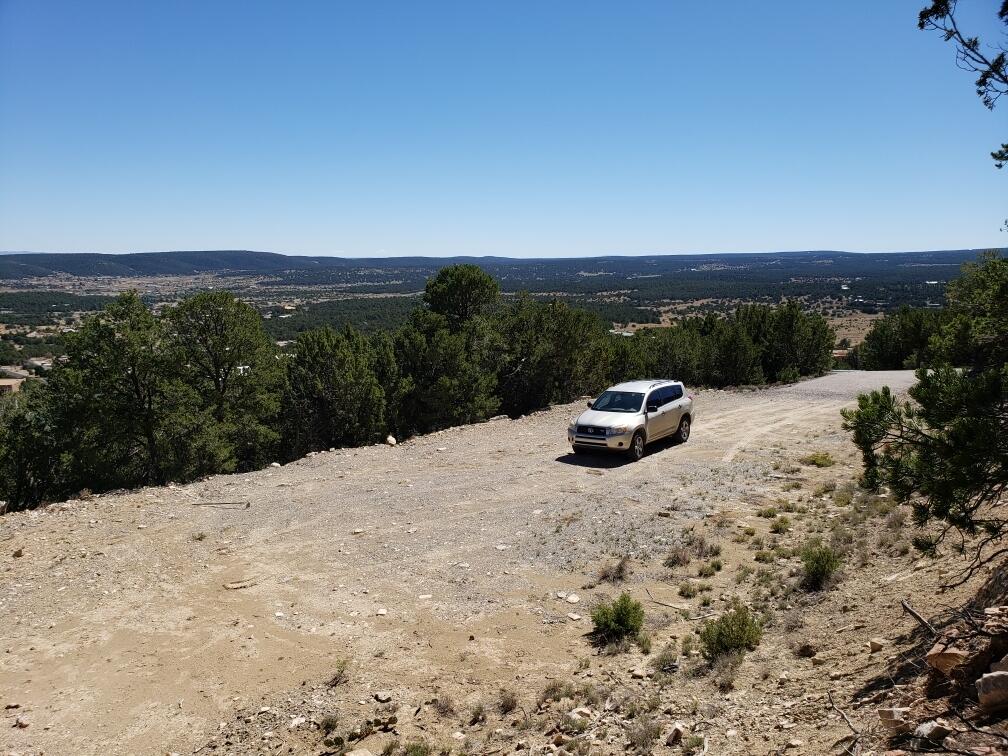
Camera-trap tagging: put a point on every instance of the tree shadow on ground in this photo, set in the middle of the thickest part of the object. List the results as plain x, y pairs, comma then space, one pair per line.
915, 644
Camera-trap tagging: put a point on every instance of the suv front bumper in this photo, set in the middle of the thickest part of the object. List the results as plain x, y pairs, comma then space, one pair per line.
586, 441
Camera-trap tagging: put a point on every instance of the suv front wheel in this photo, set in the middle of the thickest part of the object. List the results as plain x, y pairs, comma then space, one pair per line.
636, 450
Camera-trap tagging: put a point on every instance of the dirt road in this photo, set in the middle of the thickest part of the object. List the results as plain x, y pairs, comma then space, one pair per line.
142, 622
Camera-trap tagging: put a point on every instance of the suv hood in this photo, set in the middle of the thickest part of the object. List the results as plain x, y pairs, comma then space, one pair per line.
606, 419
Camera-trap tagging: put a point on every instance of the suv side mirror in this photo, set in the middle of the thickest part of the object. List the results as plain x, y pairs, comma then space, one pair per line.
652, 408
590, 403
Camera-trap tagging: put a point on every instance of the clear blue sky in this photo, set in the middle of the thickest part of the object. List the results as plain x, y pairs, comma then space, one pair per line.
558, 128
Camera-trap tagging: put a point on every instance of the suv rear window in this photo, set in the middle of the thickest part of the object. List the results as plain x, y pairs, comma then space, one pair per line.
675, 392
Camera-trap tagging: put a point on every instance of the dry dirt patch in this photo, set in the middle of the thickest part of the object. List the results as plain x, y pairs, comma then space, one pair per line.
151, 621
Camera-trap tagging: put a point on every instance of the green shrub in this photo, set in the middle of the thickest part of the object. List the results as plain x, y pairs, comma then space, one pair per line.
781, 525
818, 459
820, 563
687, 589
623, 618
736, 631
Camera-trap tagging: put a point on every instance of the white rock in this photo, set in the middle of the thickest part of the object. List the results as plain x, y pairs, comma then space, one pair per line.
274, 464
295, 722
390, 440
383, 696
382, 612
573, 598
573, 617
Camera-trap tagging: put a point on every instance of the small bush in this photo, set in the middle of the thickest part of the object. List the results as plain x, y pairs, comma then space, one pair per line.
623, 618
693, 744
735, 632
666, 661
703, 548
768, 512
418, 748
616, 572
444, 706
724, 670
820, 563
339, 675
507, 701
643, 734
818, 459
825, 488
477, 713
679, 557
705, 571
644, 642
555, 691
687, 590
781, 525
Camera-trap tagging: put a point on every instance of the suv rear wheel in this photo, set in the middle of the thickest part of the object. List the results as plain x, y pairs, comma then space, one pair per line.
682, 435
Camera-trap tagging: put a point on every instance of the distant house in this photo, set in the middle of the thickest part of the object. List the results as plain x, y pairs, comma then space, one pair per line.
10, 385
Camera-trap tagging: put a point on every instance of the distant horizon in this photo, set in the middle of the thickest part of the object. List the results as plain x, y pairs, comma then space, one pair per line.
523, 257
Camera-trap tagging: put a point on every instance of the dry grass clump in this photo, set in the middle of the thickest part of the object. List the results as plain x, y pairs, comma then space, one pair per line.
556, 690
818, 459
616, 572
643, 734
825, 488
780, 525
418, 748
507, 701
679, 556
444, 706
339, 675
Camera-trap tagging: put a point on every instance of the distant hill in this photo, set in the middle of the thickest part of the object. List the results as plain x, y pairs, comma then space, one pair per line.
27, 264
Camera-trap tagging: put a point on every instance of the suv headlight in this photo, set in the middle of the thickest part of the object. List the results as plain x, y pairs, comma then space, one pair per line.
618, 430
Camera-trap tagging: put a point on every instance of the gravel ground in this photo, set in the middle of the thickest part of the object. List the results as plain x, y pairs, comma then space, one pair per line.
136, 621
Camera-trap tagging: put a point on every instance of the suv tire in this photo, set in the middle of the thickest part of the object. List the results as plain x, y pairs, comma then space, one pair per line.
636, 450
682, 434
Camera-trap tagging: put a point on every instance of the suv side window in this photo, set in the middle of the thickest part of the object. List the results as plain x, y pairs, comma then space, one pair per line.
675, 392
654, 398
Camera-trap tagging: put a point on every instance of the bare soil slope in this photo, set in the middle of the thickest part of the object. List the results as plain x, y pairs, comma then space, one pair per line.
165, 619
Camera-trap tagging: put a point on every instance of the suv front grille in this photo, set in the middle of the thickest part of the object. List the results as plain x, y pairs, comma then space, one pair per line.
591, 430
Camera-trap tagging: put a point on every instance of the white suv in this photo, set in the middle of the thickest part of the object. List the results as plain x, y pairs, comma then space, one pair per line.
631, 415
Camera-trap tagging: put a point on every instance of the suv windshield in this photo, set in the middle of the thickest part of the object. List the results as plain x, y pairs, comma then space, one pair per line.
618, 401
